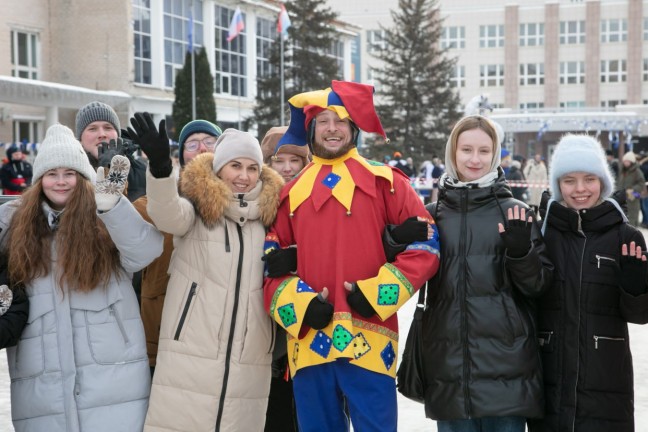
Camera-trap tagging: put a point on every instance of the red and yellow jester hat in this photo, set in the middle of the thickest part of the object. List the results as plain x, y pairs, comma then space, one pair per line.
347, 99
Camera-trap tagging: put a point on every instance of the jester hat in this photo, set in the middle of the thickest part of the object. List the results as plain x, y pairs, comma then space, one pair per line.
347, 99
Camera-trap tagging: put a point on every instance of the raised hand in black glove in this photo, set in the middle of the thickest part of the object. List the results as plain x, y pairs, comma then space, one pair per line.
281, 261
410, 231
633, 270
358, 301
517, 236
107, 150
319, 312
154, 142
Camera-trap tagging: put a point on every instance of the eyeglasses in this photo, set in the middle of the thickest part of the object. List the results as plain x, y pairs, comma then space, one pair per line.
193, 145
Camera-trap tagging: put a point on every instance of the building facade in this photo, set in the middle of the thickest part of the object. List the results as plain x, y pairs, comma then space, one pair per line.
57, 55
548, 67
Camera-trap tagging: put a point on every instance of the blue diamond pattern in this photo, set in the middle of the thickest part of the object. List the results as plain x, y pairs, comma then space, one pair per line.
321, 344
331, 180
388, 355
303, 287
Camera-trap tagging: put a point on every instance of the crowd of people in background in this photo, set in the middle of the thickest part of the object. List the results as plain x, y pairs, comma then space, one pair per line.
229, 284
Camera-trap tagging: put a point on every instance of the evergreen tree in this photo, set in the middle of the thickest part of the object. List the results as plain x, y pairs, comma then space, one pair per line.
205, 103
419, 105
307, 64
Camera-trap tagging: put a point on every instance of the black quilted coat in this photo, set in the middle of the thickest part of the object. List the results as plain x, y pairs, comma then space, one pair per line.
481, 353
582, 323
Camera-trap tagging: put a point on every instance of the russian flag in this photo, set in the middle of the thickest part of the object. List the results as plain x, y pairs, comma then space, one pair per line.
236, 26
284, 21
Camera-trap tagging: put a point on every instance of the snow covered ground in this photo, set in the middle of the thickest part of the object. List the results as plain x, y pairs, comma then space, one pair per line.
411, 417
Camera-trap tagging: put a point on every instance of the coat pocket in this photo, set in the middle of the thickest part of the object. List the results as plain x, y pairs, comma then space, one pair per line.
185, 310
608, 363
27, 359
259, 338
112, 334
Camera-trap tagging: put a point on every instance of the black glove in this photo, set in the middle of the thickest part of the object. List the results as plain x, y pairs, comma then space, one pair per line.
153, 142
107, 150
281, 261
517, 238
318, 313
632, 275
410, 231
359, 302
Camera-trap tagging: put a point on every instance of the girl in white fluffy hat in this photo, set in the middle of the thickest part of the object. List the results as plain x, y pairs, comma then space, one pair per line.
599, 286
80, 363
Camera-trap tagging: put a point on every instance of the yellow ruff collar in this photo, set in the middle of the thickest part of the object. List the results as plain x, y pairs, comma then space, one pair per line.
341, 181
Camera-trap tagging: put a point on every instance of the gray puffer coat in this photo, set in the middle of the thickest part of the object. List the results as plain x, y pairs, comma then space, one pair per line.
80, 363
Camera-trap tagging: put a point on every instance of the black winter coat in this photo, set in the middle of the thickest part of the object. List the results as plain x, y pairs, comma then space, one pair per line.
582, 323
13, 321
481, 354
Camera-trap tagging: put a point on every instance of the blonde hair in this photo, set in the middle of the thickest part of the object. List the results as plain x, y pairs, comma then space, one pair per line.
86, 255
466, 124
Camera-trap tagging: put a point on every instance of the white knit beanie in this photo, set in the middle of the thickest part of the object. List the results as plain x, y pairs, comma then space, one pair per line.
579, 153
234, 144
60, 149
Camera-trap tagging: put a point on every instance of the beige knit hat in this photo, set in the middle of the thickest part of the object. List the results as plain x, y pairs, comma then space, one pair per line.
60, 149
631, 157
270, 141
234, 144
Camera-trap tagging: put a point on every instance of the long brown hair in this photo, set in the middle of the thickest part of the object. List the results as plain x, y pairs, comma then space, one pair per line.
86, 255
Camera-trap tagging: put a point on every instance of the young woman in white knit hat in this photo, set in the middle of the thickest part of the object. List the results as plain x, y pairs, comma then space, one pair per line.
599, 286
80, 363
213, 362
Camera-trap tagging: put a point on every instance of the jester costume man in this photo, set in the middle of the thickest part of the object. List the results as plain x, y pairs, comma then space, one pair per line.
335, 212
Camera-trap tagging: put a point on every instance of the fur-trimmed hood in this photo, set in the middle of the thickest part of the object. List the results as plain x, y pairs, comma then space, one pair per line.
211, 196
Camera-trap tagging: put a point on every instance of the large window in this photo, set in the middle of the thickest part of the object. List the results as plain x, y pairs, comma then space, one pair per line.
532, 34
177, 25
572, 104
645, 69
572, 72
572, 32
453, 37
266, 34
614, 30
645, 29
531, 105
231, 72
612, 103
24, 54
491, 75
613, 71
491, 36
336, 52
458, 77
142, 40
532, 74
376, 41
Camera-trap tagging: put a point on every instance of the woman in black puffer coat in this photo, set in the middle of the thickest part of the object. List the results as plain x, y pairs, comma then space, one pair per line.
481, 357
599, 286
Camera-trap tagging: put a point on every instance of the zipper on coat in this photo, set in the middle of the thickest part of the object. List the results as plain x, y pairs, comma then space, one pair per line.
464, 319
230, 340
185, 310
580, 289
227, 245
119, 322
546, 338
601, 257
597, 338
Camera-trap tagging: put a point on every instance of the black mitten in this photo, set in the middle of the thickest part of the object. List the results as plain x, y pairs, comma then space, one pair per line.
359, 302
517, 238
632, 275
318, 313
153, 142
281, 262
410, 231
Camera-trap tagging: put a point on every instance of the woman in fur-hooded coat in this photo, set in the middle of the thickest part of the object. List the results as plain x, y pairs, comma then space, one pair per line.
213, 363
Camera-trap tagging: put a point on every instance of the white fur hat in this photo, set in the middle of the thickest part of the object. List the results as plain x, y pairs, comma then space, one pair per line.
60, 149
234, 144
579, 153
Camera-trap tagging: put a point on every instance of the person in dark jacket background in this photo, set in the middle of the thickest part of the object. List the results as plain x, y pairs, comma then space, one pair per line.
516, 176
14, 308
481, 357
599, 286
16, 172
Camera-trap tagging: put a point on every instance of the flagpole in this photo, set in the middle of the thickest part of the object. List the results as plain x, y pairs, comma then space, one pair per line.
193, 69
281, 72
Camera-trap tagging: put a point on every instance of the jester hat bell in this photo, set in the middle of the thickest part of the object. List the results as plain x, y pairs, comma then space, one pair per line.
347, 99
